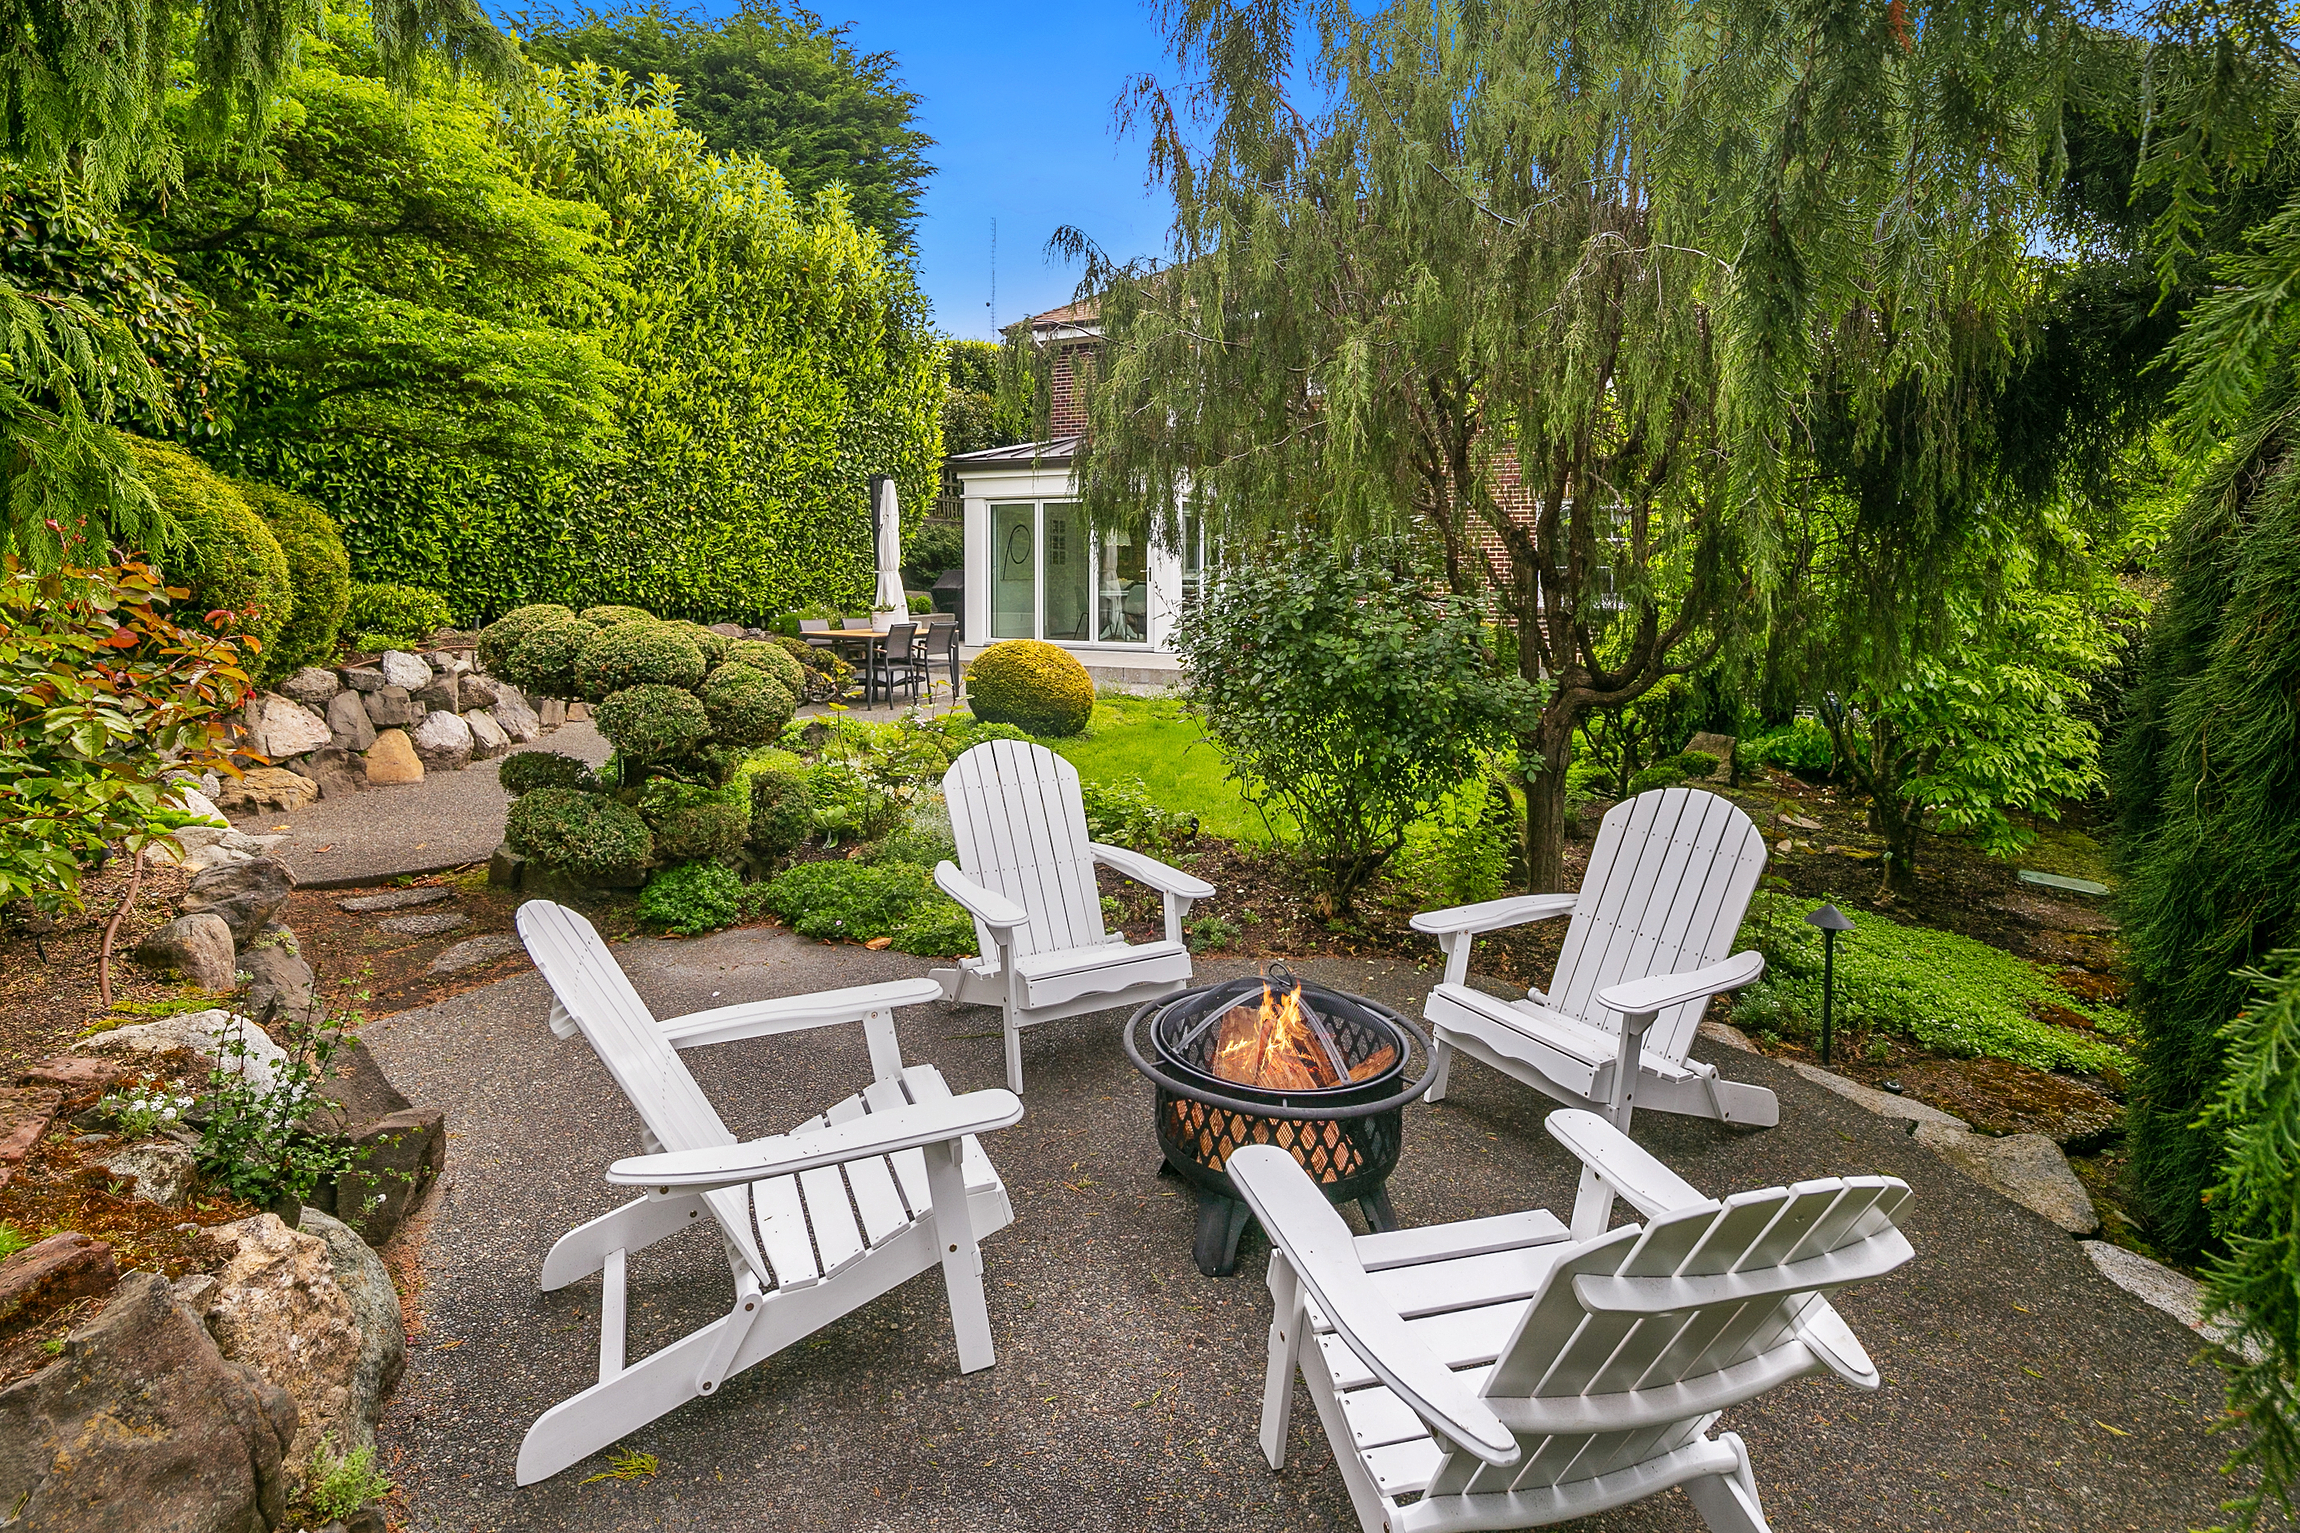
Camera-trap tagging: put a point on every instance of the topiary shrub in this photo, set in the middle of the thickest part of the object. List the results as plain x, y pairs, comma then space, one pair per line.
782, 810
543, 660
695, 897
524, 771
712, 646
499, 638
853, 900
392, 617
747, 707
220, 548
653, 721
769, 656
1032, 685
608, 617
627, 654
701, 829
587, 834
318, 576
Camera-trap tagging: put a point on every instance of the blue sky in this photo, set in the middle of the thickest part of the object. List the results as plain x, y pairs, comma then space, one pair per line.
1018, 96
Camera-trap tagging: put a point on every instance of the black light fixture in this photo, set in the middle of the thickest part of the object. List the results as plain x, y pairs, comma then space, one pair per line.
1831, 920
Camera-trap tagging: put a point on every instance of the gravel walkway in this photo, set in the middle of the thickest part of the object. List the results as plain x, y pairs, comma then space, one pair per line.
2022, 1391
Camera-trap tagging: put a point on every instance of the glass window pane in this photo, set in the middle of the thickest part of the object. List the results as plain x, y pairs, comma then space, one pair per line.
1125, 588
1069, 573
1013, 572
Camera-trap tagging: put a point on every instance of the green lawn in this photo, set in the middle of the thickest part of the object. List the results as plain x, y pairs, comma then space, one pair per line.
1153, 739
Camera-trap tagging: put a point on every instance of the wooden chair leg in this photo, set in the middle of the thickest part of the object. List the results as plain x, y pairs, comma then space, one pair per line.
1013, 1057
1285, 1356
1728, 1502
961, 1257
1441, 1070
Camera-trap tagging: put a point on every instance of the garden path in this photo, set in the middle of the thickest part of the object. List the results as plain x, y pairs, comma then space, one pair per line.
2022, 1389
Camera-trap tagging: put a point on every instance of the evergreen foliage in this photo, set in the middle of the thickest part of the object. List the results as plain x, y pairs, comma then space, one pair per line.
782, 812
220, 548
524, 771
635, 654
319, 579
692, 898
387, 616
590, 835
1033, 685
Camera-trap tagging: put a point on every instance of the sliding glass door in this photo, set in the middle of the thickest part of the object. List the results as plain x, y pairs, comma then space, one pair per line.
1054, 577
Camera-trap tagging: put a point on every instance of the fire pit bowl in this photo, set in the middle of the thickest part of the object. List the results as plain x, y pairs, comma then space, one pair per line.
1272, 1060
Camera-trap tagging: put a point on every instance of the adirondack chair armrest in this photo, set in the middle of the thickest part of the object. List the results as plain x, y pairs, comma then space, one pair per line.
1458, 926
1323, 1254
883, 1133
1149, 870
794, 1013
1641, 1181
1658, 992
995, 911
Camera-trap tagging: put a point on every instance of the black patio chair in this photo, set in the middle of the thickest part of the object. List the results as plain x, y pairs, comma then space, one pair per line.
939, 646
896, 662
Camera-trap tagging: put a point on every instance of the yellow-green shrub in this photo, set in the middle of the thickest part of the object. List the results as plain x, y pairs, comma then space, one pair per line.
223, 551
1031, 685
319, 578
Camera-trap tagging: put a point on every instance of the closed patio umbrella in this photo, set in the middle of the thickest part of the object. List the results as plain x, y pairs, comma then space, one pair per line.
886, 521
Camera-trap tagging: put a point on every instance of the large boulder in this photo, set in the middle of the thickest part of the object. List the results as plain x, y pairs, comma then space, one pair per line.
478, 691
161, 1170
2027, 1168
311, 685
363, 678
281, 985
442, 742
278, 1308
402, 1147
441, 693
204, 1033
347, 722
279, 727
401, 669
551, 712
515, 714
268, 788
338, 771
392, 759
25, 1113
141, 1424
488, 739
248, 895
55, 1271
366, 1283
197, 946
392, 708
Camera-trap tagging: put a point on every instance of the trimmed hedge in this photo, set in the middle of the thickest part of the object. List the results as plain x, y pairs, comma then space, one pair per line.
636, 654
1032, 685
652, 721
522, 772
319, 579
543, 660
222, 549
768, 656
499, 638
388, 616
701, 830
746, 707
608, 617
587, 834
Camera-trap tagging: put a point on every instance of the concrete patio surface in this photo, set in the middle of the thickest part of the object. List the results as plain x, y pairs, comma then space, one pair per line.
2022, 1389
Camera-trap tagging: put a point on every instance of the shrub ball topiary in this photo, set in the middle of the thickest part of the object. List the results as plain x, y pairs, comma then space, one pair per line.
769, 656
393, 616
782, 810
586, 834
635, 654
712, 646
219, 547
319, 578
499, 638
1031, 685
525, 771
543, 660
701, 828
651, 721
746, 706
608, 617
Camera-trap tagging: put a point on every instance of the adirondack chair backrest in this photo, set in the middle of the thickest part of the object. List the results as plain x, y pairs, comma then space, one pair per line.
1639, 1326
1020, 823
591, 989
1668, 882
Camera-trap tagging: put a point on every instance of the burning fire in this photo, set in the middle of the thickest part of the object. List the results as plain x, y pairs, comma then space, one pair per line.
1275, 1046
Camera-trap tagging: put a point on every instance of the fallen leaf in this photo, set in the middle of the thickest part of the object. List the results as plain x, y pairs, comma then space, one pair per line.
2105, 1427
879, 944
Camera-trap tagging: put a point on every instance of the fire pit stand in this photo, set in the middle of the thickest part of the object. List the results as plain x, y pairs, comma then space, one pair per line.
1346, 1135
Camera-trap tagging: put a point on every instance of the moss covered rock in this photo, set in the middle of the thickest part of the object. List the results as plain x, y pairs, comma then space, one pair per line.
1031, 685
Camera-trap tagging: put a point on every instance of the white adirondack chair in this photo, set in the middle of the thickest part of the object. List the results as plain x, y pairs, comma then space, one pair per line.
1668, 881
901, 1155
1500, 1373
1028, 881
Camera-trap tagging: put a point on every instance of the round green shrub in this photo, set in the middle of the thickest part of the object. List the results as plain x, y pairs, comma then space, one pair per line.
499, 638
393, 616
693, 898
543, 658
318, 573
586, 834
701, 828
712, 646
782, 810
746, 706
523, 772
1692, 763
1662, 774
628, 654
608, 617
653, 720
769, 656
1032, 685
219, 547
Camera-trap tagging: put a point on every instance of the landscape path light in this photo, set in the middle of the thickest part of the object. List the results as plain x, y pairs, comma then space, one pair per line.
1831, 920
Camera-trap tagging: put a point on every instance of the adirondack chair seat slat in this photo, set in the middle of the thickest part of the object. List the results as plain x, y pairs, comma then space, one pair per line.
887, 1184
1578, 1051
1470, 1237
1025, 872
1608, 1377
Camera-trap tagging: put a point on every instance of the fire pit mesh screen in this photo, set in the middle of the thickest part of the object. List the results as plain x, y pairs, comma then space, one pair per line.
1331, 1150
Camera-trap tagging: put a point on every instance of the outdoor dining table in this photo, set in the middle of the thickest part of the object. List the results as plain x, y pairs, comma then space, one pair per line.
867, 641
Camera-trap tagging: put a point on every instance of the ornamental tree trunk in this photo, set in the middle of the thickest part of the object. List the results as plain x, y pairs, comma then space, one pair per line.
1551, 744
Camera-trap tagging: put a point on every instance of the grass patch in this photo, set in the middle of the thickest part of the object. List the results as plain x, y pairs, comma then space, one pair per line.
1154, 739
1948, 993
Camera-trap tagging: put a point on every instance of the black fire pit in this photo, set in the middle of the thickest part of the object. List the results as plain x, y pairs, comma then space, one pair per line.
1333, 1093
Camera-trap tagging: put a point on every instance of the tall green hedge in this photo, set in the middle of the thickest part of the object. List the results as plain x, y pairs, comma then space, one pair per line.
319, 578
220, 548
775, 359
